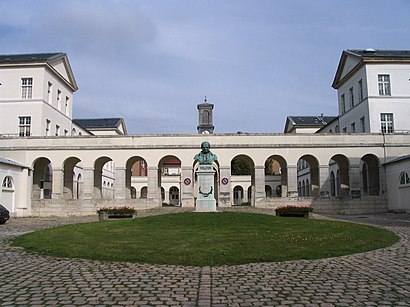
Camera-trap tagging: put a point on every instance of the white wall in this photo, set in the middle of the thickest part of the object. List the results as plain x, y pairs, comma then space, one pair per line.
398, 195
16, 199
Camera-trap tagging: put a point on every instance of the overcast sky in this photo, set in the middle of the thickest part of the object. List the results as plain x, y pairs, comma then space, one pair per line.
152, 61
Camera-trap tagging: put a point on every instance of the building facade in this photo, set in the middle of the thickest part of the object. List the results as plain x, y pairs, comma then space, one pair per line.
373, 91
90, 166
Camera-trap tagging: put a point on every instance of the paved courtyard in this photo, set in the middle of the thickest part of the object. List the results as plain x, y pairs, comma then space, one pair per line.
377, 278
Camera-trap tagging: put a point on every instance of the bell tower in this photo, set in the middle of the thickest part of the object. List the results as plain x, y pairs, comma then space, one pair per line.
205, 123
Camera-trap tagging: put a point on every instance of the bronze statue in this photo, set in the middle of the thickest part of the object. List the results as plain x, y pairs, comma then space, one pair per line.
205, 156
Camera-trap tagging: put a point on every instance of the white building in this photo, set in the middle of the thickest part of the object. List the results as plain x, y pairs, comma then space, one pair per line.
36, 95
54, 165
373, 91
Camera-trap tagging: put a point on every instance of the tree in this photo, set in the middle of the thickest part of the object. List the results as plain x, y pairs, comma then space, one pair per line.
241, 166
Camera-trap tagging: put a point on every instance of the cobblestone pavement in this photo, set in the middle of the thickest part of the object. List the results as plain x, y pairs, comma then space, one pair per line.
377, 278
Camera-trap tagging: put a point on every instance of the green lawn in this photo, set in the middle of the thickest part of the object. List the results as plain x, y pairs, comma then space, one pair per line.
207, 239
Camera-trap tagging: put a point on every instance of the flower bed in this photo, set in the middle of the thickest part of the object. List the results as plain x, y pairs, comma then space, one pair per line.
116, 212
294, 211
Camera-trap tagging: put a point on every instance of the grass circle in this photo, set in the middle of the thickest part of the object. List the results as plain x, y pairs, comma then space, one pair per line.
207, 239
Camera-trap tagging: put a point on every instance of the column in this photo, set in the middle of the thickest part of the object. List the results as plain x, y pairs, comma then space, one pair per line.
354, 180
292, 181
57, 184
154, 190
324, 182
88, 183
260, 193
120, 190
187, 191
225, 198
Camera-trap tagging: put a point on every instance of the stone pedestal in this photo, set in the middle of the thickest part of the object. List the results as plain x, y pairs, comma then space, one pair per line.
206, 200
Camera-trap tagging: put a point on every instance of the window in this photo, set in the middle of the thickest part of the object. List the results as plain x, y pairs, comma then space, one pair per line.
25, 126
7, 183
384, 85
48, 122
58, 99
65, 132
344, 130
353, 127
360, 85
386, 122
362, 124
404, 178
26, 88
351, 95
343, 104
49, 91
57, 130
67, 100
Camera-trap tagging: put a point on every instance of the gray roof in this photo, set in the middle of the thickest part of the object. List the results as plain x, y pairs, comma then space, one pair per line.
99, 123
398, 159
29, 58
310, 120
14, 163
380, 53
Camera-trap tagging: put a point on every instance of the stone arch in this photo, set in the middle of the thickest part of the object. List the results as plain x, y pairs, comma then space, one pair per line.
162, 194
42, 178
243, 172
268, 191
370, 174
144, 192
69, 177
238, 195
79, 187
308, 171
174, 196
276, 175
102, 172
133, 193
341, 164
136, 167
169, 174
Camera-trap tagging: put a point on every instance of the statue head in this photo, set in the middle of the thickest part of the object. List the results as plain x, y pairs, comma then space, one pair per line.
205, 146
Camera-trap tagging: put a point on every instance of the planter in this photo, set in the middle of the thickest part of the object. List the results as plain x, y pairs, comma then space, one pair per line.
116, 213
293, 214
102, 216
294, 211
120, 216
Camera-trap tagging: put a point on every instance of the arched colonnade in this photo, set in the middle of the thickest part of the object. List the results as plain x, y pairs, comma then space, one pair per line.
170, 178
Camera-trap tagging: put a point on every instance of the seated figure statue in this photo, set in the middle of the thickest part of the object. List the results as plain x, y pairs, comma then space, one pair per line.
205, 156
